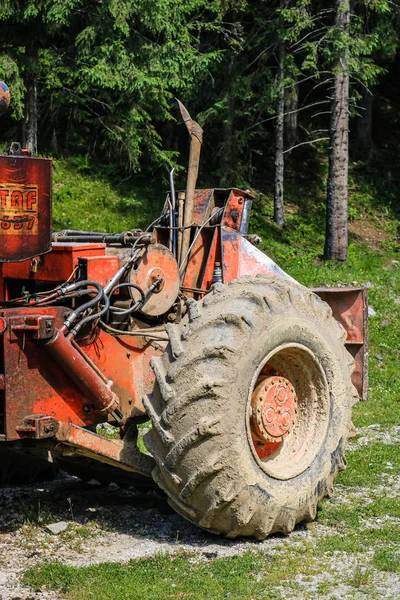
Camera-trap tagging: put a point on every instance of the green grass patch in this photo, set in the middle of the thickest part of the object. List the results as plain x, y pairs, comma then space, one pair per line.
386, 559
252, 575
86, 198
356, 512
354, 541
360, 524
366, 465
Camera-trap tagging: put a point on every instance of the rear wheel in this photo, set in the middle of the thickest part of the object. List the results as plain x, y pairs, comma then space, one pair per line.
252, 408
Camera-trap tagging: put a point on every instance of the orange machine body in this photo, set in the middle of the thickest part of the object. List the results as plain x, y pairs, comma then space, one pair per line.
46, 386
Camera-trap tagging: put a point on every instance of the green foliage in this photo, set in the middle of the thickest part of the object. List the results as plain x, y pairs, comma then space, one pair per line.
367, 464
109, 71
86, 197
11, 73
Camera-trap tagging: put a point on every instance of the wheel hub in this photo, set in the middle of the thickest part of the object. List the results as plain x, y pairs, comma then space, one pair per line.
274, 406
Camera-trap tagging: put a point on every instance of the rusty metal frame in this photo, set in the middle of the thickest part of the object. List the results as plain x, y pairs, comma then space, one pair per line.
125, 455
350, 307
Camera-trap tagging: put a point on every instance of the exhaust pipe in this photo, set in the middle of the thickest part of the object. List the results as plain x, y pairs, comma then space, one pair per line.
196, 134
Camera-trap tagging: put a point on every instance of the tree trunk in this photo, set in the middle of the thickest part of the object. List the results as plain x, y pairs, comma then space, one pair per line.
364, 143
53, 121
30, 129
279, 137
227, 158
336, 240
291, 106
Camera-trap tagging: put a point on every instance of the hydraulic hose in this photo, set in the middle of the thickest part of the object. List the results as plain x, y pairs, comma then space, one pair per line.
125, 311
89, 318
99, 296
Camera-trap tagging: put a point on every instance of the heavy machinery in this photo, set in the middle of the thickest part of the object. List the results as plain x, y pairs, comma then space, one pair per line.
248, 378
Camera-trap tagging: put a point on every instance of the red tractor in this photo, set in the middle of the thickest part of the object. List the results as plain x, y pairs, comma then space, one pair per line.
248, 378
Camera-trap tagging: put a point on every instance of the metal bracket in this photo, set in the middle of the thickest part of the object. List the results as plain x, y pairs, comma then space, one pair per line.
41, 326
40, 426
123, 454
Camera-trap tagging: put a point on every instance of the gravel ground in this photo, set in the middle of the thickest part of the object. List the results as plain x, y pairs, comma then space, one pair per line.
112, 524
375, 433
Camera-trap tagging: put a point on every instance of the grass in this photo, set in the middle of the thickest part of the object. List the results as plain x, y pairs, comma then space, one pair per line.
386, 559
362, 521
361, 577
368, 463
86, 198
238, 577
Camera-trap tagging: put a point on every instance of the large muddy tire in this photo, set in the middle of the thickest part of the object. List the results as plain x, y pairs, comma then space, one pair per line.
211, 461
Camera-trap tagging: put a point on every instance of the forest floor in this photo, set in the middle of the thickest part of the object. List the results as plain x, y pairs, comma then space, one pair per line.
118, 544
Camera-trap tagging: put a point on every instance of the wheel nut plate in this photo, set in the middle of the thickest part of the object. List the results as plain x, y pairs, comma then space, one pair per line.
274, 406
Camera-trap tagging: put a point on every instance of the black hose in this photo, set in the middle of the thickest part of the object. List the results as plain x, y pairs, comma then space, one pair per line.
123, 312
92, 317
70, 296
128, 311
99, 296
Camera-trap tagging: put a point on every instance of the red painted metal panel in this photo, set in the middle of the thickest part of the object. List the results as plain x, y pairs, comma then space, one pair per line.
350, 307
100, 268
230, 254
34, 384
25, 207
122, 453
126, 361
202, 206
95, 388
240, 258
234, 210
202, 257
56, 266
195, 264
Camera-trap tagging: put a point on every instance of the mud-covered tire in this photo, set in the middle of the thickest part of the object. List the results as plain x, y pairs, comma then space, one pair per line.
206, 461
